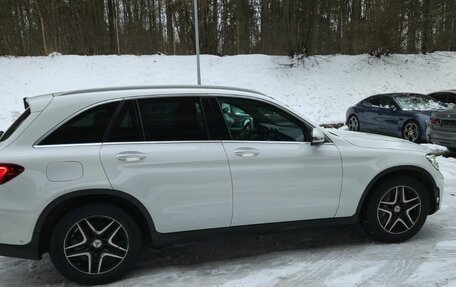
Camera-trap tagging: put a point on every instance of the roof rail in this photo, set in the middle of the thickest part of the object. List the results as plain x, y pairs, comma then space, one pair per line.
157, 88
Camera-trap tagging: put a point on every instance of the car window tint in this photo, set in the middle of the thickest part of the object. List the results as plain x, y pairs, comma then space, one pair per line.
387, 102
372, 101
442, 97
17, 123
376, 101
257, 121
451, 98
87, 127
173, 119
126, 127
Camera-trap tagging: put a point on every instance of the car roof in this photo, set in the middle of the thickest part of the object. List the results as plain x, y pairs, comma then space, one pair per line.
396, 94
182, 89
452, 91
38, 103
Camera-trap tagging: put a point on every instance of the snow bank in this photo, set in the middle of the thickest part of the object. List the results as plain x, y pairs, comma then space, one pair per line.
323, 87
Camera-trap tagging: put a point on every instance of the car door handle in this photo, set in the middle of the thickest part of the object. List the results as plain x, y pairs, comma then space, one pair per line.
130, 156
246, 152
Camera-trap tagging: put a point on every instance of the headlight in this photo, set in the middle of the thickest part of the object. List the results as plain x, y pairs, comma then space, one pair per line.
431, 158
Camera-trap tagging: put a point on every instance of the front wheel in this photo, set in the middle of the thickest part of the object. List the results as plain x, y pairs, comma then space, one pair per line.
95, 244
412, 131
397, 209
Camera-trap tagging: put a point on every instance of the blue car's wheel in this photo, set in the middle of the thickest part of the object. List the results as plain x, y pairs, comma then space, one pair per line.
411, 131
353, 123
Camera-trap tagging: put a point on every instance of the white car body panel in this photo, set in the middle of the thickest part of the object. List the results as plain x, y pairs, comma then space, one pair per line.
279, 184
22, 201
191, 187
184, 185
362, 164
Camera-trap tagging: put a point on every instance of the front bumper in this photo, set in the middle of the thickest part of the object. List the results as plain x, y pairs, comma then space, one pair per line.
438, 190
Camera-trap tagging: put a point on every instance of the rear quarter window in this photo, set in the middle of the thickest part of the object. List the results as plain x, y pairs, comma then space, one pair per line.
87, 127
17, 123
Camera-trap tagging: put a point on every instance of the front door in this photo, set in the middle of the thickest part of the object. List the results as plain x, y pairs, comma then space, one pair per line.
277, 175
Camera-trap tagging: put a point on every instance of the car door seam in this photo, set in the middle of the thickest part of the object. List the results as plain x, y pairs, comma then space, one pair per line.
232, 183
102, 166
341, 180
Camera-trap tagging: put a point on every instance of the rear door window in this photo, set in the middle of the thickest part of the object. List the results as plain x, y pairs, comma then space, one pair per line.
372, 101
126, 127
388, 102
87, 127
173, 119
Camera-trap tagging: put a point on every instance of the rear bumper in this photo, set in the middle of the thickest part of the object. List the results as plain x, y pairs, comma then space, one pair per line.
443, 138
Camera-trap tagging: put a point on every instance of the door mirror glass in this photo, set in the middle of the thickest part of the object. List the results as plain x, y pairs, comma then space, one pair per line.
318, 137
393, 107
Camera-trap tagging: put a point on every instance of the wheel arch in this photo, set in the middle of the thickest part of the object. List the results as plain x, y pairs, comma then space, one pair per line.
413, 171
61, 205
350, 112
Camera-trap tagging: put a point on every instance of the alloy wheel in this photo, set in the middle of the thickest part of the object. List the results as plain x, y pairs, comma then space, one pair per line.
96, 245
411, 132
399, 209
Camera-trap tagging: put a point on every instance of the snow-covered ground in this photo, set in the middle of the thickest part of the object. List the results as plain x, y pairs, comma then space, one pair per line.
321, 87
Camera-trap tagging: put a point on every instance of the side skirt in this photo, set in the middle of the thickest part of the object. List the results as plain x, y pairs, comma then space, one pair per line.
166, 239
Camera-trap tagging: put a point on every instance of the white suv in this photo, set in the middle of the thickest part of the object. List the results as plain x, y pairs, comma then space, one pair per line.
92, 176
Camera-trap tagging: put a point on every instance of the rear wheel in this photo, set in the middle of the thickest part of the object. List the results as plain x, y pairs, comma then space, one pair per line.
95, 244
411, 131
397, 209
353, 123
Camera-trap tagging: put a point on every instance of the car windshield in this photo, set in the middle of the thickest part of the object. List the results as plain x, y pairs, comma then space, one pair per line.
417, 102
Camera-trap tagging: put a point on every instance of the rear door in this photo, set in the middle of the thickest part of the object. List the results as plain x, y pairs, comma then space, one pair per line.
159, 151
277, 175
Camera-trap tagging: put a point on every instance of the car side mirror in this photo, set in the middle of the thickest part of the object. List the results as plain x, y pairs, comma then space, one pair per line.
318, 137
393, 108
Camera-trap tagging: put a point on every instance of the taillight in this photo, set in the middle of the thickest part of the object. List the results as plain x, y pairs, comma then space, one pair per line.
8, 171
434, 121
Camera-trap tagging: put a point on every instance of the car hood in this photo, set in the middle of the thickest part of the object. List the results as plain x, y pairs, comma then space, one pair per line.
377, 141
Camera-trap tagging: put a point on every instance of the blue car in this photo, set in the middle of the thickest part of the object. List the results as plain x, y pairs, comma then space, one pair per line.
397, 114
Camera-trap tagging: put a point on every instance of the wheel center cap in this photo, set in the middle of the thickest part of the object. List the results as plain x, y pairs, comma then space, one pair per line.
97, 243
397, 208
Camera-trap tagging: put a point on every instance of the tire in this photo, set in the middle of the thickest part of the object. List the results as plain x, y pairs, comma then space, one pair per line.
353, 123
390, 218
102, 234
411, 131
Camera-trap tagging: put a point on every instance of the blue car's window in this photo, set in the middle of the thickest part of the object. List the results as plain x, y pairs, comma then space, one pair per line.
417, 102
372, 101
388, 103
